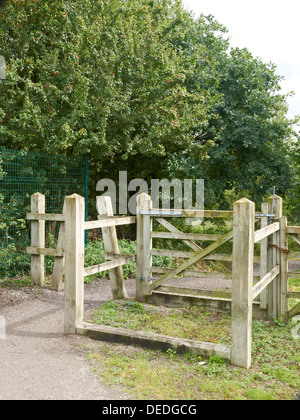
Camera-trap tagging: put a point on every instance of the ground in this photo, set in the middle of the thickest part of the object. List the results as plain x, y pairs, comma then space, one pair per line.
37, 362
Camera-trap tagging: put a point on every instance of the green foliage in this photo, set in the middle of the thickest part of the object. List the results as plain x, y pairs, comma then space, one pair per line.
95, 78
94, 254
274, 373
142, 86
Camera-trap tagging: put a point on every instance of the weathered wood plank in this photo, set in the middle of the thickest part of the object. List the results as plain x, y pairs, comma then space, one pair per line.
110, 240
144, 247
217, 265
264, 256
294, 256
293, 295
265, 281
46, 216
265, 232
187, 254
57, 280
296, 238
242, 282
194, 273
110, 256
196, 257
294, 311
284, 267
183, 236
54, 252
274, 289
152, 340
292, 275
74, 263
293, 229
194, 292
192, 213
109, 221
38, 240
108, 265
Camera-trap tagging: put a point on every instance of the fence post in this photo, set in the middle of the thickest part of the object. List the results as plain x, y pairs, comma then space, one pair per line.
104, 208
264, 255
242, 281
38, 240
274, 288
74, 262
57, 282
284, 268
144, 248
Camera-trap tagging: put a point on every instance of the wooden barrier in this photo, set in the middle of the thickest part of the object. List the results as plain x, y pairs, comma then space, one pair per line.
270, 287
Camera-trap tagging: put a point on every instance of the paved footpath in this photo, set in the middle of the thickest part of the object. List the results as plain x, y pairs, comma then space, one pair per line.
37, 362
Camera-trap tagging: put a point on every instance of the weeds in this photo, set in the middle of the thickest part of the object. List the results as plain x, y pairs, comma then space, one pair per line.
274, 373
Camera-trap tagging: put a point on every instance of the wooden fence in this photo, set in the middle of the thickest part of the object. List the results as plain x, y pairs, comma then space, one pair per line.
264, 296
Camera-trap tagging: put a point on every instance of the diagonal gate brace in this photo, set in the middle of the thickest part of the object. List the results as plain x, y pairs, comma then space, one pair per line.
195, 257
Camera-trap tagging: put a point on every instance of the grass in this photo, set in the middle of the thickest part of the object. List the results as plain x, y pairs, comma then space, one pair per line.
274, 374
191, 322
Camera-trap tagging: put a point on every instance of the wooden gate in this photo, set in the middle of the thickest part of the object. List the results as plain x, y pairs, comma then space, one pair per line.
271, 285
145, 234
273, 261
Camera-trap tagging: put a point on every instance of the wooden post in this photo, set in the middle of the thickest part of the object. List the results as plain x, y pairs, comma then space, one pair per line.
274, 289
264, 256
38, 240
242, 281
104, 208
284, 268
144, 248
74, 262
57, 282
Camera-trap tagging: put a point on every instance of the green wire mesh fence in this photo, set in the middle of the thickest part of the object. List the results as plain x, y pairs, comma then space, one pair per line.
21, 175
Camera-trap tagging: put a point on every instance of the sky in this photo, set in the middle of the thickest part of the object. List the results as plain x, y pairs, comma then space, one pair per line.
269, 29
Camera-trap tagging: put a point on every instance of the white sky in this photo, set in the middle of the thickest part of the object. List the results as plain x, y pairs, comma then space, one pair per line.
269, 29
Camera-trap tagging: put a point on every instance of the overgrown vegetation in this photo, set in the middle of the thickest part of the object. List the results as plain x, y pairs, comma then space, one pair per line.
145, 87
154, 375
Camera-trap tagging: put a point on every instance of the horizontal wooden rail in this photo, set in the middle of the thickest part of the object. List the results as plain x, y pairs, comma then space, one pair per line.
187, 254
293, 295
265, 232
263, 283
33, 250
293, 229
292, 275
294, 256
183, 236
194, 258
95, 269
194, 292
112, 256
46, 216
194, 273
189, 213
110, 221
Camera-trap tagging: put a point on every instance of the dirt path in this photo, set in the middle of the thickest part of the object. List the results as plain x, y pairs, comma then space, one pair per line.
37, 362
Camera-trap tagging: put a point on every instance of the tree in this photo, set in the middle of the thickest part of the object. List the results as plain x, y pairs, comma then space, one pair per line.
142, 86
248, 123
98, 78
